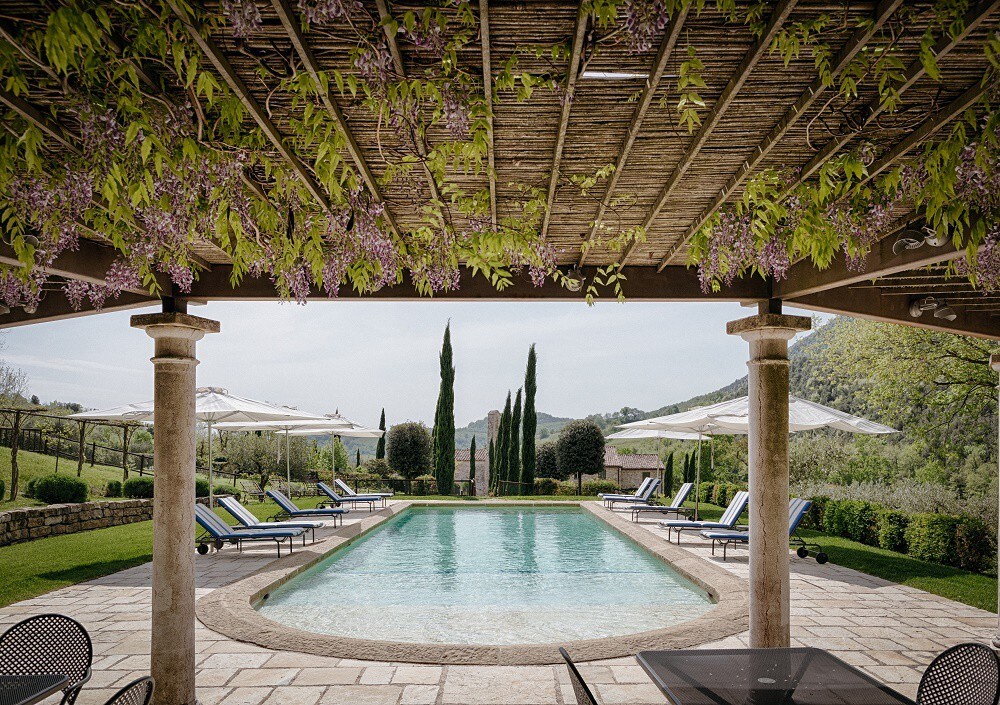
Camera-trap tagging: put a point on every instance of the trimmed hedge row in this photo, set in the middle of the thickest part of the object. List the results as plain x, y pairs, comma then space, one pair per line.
718, 493
960, 541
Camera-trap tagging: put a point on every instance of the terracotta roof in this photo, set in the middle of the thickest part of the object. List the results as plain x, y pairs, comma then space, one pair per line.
635, 461
462, 455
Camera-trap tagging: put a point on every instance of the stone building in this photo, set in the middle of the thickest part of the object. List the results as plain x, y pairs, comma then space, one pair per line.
630, 470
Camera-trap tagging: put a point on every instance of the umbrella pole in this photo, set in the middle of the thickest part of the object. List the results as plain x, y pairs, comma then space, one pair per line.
211, 480
288, 465
697, 482
333, 458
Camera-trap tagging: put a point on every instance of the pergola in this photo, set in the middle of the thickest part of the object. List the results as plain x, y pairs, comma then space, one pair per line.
614, 106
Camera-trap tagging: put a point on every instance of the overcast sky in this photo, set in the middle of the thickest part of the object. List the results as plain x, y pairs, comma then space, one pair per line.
358, 356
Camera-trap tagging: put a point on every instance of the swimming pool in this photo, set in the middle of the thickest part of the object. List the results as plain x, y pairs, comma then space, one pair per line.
487, 575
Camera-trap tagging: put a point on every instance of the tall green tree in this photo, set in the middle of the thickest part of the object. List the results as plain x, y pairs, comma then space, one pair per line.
668, 476
357, 462
444, 421
380, 447
408, 449
493, 464
472, 463
580, 450
503, 448
514, 464
529, 425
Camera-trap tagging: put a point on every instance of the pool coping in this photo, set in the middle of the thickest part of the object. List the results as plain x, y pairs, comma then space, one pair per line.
230, 610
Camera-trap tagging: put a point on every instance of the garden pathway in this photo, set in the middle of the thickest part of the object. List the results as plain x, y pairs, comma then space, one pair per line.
890, 631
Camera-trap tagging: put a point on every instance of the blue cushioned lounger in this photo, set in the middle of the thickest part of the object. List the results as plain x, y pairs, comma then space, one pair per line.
726, 521
348, 492
246, 517
338, 499
641, 495
289, 509
676, 505
222, 533
797, 510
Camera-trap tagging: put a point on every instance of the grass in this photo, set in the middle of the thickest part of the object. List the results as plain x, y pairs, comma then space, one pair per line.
36, 567
32, 465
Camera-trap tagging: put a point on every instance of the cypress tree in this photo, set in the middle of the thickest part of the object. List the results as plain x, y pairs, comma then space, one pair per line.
687, 467
514, 464
358, 463
444, 421
380, 447
493, 464
503, 446
668, 476
472, 463
529, 426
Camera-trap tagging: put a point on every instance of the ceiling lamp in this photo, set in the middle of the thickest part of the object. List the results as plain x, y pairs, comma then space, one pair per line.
914, 239
574, 279
928, 303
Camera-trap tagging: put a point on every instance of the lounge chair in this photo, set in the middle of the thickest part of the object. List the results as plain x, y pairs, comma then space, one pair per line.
337, 499
346, 489
251, 489
221, 533
245, 516
641, 495
287, 508
581, 691
797, 509
675, 507
727, 521
48, 644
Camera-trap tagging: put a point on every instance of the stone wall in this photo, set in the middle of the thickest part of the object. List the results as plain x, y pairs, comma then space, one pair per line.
30, 523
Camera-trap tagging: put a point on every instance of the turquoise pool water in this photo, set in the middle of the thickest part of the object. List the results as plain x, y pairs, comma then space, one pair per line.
497, 575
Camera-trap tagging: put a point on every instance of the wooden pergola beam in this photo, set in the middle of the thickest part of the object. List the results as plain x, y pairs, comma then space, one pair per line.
293, 28
36, 118
572, 69
976, 15
851, 48
870, 304
240, 90
89, 262
57, 308
656, 73
385, 17
484, 40
761, 45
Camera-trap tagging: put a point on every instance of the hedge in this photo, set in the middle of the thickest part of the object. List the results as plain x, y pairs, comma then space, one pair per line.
891, 527
61, 489
114, 489
545, 486
138, 488
592, 488
423, 485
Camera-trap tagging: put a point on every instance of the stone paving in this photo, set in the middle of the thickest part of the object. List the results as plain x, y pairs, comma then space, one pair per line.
888, 630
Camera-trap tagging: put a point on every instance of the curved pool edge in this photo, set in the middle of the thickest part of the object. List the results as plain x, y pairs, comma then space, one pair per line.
230, 610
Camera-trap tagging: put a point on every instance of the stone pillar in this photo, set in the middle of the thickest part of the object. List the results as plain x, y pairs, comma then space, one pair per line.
995, 364
173, 648
768, 335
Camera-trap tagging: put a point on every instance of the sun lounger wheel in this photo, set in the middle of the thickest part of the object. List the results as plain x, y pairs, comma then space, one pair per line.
802, 552
822, 558
202, 548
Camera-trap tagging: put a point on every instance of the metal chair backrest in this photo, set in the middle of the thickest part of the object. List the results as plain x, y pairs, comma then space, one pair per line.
735, 509
681, 496
642, 487
282, 501
48, 644
239, 512
138, 692
967, 674
210, 521
328, 491
580, 687
797, 509
344, 487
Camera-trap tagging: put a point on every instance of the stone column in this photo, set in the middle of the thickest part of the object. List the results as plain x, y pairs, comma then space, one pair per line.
173, 648
995, 364
768, 335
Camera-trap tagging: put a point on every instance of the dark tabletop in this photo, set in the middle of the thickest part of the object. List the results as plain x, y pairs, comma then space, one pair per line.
797, 676
25, 690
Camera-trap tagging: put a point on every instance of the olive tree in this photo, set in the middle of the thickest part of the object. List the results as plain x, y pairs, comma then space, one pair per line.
580, 450
409, 449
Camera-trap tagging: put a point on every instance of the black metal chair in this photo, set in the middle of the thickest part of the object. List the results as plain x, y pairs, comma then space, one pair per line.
49, 644
967, 674
138, 692
580, 688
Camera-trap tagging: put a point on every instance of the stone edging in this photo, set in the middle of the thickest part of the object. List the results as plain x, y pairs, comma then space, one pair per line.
30, 523
229, 610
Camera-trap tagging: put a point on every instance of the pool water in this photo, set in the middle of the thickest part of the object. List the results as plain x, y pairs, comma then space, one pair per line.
487, 575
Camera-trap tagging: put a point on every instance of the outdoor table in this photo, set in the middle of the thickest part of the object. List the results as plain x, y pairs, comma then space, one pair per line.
799, 676
25, 690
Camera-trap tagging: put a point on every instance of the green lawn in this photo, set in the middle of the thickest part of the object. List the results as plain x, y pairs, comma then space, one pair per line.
36, 567
37, 465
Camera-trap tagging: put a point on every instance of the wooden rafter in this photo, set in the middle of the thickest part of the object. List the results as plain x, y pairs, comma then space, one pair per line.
385, 17
659, 68
760, 47
89, 262
484, 40
240, 90
913, 73
35, 117
567, 105
293, 29
851, 48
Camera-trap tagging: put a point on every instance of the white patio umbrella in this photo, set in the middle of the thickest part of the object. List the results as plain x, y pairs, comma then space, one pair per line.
733, 418
634, 434
287, 427
350, 428
213, 405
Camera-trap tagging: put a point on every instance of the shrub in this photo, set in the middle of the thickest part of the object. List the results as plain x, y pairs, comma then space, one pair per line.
138, 488
545, 485
580, 449
705, 491
424, 484
200, 487
60, 489
566, 489
592, 488
114, 489
931, 537
29, 488
817, 511
859, 520
891, 529
378, 466
409, 449
547, 461
226, 488
975, 545
3, 489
